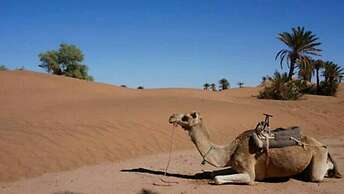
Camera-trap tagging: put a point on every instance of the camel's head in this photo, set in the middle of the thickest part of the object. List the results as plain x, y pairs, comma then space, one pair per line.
186, 121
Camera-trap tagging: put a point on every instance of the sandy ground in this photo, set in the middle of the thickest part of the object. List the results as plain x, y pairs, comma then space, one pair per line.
60, 135
185, 174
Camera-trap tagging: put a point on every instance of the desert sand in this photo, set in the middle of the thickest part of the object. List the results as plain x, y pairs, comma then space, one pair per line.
60, 135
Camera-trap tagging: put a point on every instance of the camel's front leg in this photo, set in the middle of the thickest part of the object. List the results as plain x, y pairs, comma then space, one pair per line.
242, 178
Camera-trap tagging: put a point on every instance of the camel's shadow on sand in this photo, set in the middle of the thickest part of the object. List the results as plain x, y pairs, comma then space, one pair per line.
206, 175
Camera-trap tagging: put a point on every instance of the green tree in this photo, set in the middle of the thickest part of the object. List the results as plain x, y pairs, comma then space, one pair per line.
3, 68
240, 84
50, 62
224, 84
206, 86
213, 87
281, 88
300, 44
305, 67
317, 65
332, 73
67, 60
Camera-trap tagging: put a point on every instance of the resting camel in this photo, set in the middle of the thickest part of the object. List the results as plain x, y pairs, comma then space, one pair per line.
249, 164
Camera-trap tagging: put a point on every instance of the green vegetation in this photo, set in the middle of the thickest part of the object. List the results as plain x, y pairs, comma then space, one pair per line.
206, 86
65, 61
300, 43
224, 84
280, 88
333, 74
241, 84
213, 87
3, 68
22, 68
301, 46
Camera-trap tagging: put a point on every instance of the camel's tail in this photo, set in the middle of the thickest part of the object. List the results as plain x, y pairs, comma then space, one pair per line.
333, 172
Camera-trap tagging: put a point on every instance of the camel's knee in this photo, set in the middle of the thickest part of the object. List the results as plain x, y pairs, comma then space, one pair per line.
317, 179
242, 178
320, 167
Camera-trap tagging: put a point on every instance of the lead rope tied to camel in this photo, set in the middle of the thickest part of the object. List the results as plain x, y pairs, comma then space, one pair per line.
168, 183
204, 161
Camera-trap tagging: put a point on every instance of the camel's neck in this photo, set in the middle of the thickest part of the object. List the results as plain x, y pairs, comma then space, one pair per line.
213, 154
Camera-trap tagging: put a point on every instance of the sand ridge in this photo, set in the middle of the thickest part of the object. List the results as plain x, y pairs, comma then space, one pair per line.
52, 124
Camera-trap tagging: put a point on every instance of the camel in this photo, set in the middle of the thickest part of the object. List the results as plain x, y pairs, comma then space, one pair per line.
312, 159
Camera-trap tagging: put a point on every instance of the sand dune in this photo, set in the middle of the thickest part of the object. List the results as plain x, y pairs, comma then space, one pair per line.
52, 124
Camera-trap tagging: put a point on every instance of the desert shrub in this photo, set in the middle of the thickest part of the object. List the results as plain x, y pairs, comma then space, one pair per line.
306, 87
3, 68
22, 68
328, 88
280, 88
140, 87
124, 86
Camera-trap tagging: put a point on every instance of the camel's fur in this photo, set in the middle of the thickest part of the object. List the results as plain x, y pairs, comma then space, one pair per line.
250, 164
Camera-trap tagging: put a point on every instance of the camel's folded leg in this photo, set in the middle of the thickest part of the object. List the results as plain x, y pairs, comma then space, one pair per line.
320, 165
242, 178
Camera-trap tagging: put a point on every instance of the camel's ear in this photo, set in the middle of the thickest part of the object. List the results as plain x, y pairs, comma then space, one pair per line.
195, 115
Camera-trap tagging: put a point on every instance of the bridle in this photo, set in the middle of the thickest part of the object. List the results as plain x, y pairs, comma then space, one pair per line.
205, 156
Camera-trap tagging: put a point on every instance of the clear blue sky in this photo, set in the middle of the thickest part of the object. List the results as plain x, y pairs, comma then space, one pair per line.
167, 43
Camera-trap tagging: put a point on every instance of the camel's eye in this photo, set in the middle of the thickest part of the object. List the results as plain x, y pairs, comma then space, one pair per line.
185, 118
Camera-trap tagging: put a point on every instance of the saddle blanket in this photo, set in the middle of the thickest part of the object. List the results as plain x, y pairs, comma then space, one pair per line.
281, 137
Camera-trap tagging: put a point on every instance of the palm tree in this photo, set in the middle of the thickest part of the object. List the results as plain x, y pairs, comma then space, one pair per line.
224, 84
305, 69
332, 72
300, 44
317, 65
240, 84
206, 86
213, 87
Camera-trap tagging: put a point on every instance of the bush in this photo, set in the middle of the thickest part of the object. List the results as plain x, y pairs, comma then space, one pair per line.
22, 68
306, 87
3, 68
140, 87
281, 89
328, 88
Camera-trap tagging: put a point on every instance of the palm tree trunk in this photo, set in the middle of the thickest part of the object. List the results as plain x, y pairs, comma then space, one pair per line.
318, 84
291, 70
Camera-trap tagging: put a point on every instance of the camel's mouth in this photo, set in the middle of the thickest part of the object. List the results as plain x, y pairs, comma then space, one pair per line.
173, 120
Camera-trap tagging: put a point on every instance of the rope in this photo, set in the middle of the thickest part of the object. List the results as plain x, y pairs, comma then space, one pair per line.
205, 156
165, 182
171, 149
